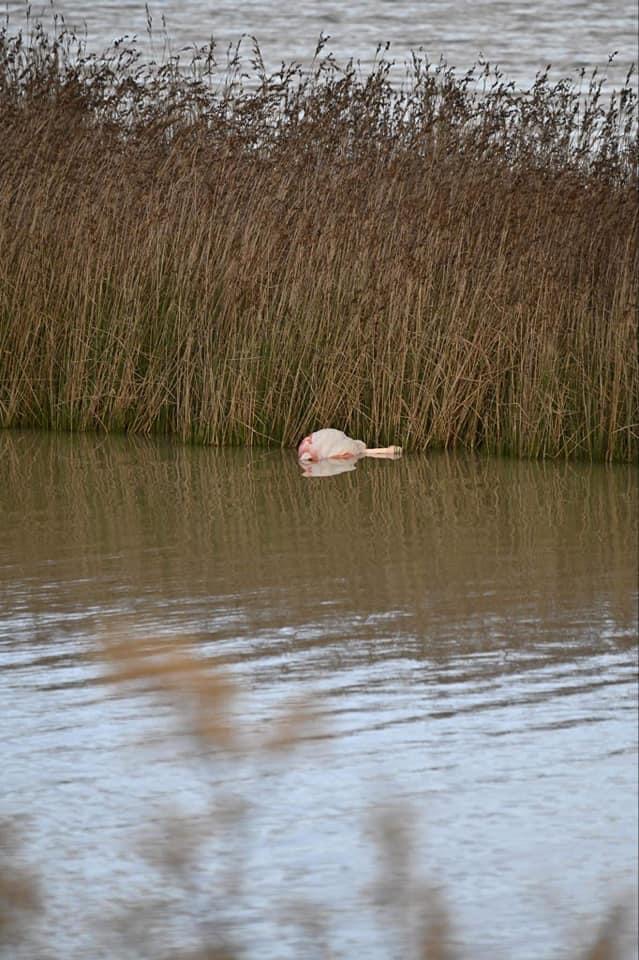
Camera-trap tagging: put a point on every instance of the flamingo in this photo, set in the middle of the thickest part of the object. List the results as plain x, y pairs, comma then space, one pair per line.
329, 444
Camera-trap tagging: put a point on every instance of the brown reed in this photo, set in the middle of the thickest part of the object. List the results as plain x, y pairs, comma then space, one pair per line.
174, 844
452, 262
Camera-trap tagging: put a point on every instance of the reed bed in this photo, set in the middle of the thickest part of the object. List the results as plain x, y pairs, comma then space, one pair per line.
443, 261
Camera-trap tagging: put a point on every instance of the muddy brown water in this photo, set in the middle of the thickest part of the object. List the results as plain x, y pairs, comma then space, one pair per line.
464, 627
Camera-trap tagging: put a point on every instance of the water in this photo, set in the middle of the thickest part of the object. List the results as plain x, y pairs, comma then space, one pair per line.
464, 628
522, 37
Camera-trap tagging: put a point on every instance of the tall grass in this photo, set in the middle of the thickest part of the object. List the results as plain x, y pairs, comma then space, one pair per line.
447, 262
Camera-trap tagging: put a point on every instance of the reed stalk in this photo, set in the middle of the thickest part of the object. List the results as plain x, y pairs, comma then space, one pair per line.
450, 262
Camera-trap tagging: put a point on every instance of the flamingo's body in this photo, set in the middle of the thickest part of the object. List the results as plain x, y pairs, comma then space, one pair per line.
329, 444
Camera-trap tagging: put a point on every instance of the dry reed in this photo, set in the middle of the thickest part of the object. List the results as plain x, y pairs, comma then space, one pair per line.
451, 262
400, 900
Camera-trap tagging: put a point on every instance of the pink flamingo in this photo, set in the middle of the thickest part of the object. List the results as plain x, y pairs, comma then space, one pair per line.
329, 444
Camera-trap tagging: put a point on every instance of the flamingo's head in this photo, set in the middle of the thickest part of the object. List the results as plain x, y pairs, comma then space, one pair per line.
305, 449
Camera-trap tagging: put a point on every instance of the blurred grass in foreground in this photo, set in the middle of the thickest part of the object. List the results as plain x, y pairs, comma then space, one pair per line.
410, 911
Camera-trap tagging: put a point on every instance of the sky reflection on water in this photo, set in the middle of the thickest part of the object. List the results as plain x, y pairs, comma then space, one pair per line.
522, 38
466, 629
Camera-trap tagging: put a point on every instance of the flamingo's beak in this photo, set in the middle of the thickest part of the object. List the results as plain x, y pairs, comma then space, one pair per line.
304, 451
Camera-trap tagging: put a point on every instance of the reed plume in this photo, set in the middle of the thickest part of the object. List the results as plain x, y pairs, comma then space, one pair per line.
444, 262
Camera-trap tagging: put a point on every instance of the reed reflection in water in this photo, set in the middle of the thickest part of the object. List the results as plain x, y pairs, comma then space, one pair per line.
466, 628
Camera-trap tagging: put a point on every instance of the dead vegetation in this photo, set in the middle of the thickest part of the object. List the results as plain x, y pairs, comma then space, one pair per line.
408, 909
446, 262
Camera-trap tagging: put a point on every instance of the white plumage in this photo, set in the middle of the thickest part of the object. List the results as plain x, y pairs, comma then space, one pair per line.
330, 444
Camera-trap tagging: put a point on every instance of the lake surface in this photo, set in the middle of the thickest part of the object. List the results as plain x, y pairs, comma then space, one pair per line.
461, 631
522, 37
